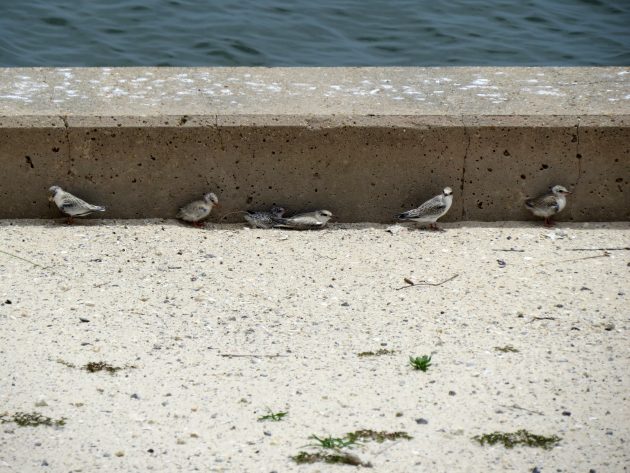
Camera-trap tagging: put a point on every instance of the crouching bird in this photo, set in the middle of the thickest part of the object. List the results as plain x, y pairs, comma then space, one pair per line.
431, 210
548, 204
71, 205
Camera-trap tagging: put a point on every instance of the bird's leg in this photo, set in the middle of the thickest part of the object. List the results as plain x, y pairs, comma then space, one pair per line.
198, 224
69, 220
548, 222
434, 227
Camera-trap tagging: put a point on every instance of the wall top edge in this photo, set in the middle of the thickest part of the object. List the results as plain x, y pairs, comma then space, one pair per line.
458, 91
312, 121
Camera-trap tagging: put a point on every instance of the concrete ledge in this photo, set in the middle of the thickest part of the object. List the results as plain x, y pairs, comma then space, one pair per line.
365, 143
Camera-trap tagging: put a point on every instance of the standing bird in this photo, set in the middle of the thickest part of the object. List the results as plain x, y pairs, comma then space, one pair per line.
71, 205
431, 210
305, 221
548, 204
264, 219
196, 211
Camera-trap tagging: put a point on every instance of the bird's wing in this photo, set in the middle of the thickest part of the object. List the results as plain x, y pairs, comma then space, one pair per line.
193, 210
72, 205
305, 221
432, 206
259, 219
547, 201
299, 222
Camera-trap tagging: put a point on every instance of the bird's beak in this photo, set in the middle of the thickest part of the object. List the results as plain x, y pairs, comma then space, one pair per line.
569, 192
50, 198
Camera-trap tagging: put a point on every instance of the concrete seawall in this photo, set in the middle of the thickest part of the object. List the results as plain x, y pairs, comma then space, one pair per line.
365, 143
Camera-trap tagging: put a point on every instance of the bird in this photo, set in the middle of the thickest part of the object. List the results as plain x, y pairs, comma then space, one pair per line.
196, 211
431, 210
305, 221
70, 204
264, 219
548, 204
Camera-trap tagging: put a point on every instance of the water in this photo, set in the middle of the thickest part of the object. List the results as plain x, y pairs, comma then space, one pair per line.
314, 32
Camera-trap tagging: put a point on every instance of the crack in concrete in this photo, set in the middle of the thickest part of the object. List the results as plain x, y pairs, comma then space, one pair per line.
216, 125
463, 180
578, 156
64, 119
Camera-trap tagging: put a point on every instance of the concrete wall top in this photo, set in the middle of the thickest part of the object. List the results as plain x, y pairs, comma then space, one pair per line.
284, 96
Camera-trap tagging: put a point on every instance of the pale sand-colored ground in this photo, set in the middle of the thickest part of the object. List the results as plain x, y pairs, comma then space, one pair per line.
171, 299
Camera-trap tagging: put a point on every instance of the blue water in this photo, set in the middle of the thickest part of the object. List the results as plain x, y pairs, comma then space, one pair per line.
314, 32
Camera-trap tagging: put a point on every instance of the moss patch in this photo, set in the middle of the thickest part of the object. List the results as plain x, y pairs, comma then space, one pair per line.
520, 437
380, 352
342, 458
65, 363
506, 349
32, 419
94, 366
380, 437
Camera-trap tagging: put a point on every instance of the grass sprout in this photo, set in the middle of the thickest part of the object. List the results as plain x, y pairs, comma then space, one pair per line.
332, 442
421, 363
273, 416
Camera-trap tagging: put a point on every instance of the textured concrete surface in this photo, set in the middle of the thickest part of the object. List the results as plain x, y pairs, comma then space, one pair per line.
365, 143
171, 300
138, 92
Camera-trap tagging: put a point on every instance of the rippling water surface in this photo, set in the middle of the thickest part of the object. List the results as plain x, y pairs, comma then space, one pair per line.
313, 32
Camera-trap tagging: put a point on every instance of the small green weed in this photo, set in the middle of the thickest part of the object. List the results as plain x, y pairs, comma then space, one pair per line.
33, 419
520, 437
421, 363
273, 416
380, 352
337, 443
332, 442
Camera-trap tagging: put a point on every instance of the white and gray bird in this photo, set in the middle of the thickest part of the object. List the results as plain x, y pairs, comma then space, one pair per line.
71, 205
264, 219
198, 210
431, 210
305, 221
548, 204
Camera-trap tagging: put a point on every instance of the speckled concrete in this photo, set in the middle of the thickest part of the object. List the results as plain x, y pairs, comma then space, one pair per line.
363, 142
171, 300
138, 92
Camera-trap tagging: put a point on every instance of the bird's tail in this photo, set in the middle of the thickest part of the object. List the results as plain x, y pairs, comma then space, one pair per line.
98, 208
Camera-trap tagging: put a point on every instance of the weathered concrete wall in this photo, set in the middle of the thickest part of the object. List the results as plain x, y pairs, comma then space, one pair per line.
364, 143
